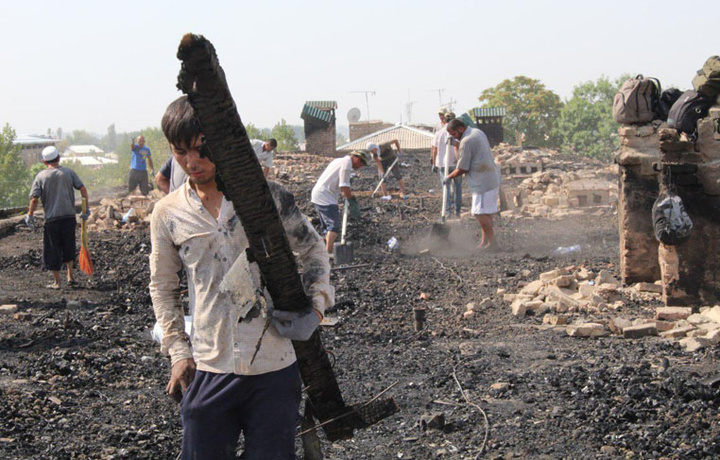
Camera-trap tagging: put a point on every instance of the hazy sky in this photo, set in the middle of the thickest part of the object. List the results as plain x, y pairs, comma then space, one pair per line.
88, 64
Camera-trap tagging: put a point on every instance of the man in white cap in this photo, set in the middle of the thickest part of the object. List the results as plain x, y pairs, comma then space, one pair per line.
438, 152
482, 177
56, 186
384, 157
333, 182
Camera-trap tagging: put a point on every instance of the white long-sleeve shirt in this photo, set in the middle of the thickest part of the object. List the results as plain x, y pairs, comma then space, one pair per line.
186, 236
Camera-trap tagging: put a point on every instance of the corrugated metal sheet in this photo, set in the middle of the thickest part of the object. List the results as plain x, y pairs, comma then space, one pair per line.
28, 140
465, 118
327, 105
409, 138
314, 112
488, 112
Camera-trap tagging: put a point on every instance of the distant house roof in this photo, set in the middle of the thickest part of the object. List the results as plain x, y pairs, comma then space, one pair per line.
30, 140
85, 150
488, 112
310, 112
327, 105
409, 138
85, 161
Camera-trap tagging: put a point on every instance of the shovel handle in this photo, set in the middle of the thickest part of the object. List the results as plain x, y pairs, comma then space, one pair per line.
384, 177
344, 221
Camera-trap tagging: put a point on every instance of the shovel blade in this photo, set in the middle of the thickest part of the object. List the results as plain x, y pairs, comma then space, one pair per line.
441, 231
343, 253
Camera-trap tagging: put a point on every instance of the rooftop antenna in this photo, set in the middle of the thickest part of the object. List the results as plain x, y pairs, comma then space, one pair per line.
450, 104
367, 101
440, 91
408, 110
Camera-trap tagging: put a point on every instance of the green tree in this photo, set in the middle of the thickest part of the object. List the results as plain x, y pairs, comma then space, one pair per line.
110, 141
531, 109
15, 177
285, 136
586, 125
252, 131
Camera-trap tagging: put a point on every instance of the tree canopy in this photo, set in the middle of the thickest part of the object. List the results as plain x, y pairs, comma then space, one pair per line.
14, 174
586, 125
531, 109
285, 136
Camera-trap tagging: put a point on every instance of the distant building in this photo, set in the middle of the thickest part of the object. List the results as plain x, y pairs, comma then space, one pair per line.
31, 148
363, 128
320, 131
83, 151
410, 139
87, 155
490, 120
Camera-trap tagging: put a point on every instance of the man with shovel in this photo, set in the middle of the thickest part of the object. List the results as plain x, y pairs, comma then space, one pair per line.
241, 374
386, 158
482, 176
440, 152
335, 180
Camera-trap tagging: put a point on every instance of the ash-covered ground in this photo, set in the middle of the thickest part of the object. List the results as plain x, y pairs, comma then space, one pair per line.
80, 377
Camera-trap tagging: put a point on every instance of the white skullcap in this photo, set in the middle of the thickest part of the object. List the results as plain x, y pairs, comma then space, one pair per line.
50, 153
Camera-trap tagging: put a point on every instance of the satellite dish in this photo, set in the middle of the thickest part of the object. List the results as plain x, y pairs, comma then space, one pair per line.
353, 115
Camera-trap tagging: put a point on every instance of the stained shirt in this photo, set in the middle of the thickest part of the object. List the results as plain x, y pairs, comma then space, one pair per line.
224, 338
264, 156
56, 189
476, 157
440, 142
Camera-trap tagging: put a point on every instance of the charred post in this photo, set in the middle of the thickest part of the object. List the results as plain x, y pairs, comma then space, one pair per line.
242, 181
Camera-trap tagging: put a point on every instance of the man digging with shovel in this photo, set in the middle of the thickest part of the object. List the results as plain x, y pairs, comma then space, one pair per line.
387, 161
482, 177
335, 180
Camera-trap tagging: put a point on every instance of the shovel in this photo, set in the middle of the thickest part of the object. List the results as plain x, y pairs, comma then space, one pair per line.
343, 251
440, 229
387, 173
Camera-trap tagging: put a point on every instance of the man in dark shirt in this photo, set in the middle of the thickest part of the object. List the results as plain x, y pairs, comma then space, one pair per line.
56, 186
384, 157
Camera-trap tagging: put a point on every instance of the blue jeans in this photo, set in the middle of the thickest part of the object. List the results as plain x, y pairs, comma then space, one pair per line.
329, 217
216, 407
454, 192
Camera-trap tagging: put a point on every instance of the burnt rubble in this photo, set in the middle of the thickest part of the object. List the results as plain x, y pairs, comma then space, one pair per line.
81, 378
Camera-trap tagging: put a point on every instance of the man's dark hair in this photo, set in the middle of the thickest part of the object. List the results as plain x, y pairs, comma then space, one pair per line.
455, 124
55, 161
273, 143
179, 124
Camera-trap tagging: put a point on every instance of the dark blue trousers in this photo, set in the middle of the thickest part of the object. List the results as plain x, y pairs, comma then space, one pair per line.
217, 407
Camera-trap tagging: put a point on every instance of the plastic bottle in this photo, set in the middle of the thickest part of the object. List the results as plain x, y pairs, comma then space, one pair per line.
392, 244
565, 250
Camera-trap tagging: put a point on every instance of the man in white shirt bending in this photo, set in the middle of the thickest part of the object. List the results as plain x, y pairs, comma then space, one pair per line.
333, 182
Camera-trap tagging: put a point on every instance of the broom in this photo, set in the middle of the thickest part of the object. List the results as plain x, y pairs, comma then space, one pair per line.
85, 260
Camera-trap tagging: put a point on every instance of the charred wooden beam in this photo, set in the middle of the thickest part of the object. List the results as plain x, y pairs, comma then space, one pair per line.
242, 181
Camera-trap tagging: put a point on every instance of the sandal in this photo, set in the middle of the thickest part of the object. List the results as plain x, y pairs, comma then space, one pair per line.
53, 286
